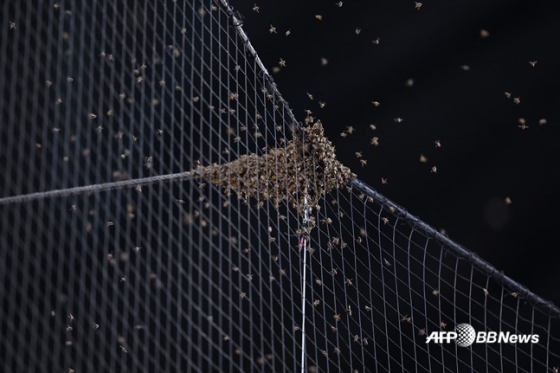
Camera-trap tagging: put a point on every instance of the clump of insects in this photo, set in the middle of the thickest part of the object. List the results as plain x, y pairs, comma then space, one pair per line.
301, 172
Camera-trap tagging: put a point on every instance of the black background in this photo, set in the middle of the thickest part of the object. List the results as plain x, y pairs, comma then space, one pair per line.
485, 156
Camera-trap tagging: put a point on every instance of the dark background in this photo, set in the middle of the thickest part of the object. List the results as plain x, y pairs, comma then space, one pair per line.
485, 156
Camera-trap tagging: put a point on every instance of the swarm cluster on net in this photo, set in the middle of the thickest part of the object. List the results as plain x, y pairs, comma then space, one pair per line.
301, 172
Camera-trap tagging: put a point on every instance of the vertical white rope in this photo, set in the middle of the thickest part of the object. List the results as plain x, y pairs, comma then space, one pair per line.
303, 307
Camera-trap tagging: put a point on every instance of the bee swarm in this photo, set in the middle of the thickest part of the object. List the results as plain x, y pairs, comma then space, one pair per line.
306, 167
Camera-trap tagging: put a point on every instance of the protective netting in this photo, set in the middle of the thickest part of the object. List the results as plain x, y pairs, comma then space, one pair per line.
205, 213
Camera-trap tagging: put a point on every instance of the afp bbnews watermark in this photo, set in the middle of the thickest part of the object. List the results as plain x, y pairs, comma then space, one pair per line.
465, 335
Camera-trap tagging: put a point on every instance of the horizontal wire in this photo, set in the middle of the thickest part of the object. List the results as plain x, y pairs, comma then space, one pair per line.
94, 188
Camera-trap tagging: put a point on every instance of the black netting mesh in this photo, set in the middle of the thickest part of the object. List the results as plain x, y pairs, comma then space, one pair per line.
157, 264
